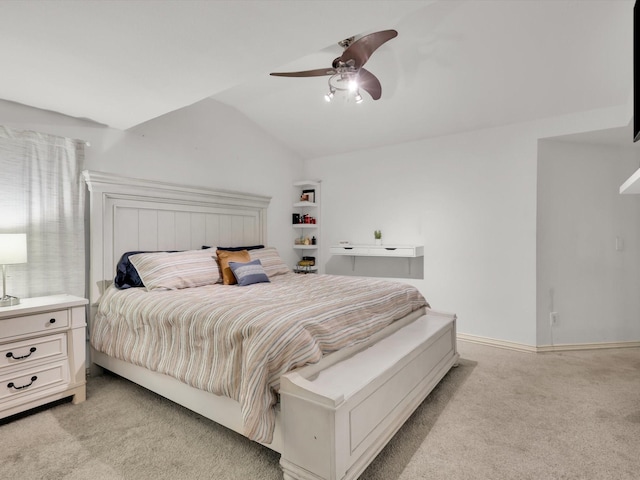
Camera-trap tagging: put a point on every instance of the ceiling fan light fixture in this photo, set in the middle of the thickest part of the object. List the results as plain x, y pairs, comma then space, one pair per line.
329, 96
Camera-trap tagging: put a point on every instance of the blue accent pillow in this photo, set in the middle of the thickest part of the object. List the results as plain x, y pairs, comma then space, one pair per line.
126, 274
248, 273
237, 249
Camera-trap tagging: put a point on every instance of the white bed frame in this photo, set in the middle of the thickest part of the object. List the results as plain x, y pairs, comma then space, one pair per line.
335, 416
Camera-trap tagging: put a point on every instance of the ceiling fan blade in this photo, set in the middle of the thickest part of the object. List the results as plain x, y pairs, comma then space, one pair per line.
369, 83
319, 72
360, 50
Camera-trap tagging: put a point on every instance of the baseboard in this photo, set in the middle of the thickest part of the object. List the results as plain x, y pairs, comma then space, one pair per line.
492, 342
586, 346
521, 347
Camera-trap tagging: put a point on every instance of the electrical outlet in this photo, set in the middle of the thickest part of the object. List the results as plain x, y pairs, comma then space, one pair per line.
553, 318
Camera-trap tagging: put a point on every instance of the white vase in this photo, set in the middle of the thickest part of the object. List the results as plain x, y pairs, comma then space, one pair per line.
378, 241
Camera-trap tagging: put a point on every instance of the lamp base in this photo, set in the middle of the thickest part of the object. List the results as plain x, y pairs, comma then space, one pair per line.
9, 301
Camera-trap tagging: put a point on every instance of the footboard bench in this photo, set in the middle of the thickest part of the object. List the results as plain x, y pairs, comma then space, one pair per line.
337, 418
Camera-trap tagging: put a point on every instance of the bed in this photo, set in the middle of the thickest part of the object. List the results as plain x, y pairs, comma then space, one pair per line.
332, 402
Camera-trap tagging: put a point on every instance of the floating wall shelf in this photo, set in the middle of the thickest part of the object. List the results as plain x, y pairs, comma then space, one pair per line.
632, 185
402, 251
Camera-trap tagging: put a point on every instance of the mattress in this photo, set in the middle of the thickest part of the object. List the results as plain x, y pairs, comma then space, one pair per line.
237, 341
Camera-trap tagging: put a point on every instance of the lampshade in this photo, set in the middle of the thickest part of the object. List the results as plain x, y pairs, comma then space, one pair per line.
13, 248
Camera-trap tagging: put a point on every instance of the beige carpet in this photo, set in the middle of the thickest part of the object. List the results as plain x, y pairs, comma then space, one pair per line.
500, 415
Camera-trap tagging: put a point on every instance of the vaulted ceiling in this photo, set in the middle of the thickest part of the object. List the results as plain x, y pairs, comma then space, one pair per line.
455, 65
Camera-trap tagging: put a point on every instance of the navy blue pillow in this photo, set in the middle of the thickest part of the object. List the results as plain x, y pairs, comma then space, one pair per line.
237, 249
126, 274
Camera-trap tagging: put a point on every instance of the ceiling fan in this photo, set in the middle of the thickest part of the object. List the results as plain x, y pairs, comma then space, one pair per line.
346, 72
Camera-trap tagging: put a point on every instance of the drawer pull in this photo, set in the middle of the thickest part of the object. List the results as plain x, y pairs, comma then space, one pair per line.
12, 385
53, 320
389, 248
11, 355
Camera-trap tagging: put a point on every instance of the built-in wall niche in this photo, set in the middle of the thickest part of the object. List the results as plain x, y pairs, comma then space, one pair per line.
306, 226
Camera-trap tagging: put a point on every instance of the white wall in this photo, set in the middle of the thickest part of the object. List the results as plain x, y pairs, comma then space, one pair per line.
470, 199
207, 144
594, 288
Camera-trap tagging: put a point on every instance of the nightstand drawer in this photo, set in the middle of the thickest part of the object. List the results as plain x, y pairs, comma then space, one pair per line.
36, 323
25, 352
32, 380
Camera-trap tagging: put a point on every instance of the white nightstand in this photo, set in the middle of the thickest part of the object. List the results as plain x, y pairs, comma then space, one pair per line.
42, 352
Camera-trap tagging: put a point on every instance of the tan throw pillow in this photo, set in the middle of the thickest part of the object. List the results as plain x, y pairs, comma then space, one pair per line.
224, 257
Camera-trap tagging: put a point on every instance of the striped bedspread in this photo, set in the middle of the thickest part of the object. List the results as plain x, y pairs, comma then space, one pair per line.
238, 341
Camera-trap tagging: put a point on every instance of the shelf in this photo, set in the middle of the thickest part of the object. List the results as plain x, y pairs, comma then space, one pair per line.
305, 205
304, 225
305, 247
632, 185
378, 250
393, 251
306, 183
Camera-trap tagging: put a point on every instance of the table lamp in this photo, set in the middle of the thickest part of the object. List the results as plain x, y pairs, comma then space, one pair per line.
13, 250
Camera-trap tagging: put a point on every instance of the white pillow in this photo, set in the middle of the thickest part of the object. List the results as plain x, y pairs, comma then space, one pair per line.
271, 262
172, 271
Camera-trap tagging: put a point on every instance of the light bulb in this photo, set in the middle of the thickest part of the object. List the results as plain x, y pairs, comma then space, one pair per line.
328, 97
358, 98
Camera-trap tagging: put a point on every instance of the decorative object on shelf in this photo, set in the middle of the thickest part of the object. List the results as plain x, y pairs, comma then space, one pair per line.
299, 219
306, 265
377, 234
306, 241
308, 196
13, 250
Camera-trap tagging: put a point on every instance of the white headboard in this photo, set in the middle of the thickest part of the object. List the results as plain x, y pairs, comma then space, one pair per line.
128, 214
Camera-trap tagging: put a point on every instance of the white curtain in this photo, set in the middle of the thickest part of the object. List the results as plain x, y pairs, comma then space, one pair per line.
42, 195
